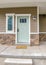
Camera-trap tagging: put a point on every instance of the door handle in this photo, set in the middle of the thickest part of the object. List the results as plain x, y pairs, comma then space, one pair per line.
17, 30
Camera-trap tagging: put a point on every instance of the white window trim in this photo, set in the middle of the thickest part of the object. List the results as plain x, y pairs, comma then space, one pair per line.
7, 31
42, 32
22, 14
34, 33
16, 25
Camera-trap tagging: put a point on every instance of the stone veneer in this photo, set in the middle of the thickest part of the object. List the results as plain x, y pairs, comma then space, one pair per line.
8, 39
42, 37
34, 39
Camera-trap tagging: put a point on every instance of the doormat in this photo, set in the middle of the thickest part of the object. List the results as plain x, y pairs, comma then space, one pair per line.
21, 47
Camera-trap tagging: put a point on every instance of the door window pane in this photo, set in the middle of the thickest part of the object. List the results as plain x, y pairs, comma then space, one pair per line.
23, 20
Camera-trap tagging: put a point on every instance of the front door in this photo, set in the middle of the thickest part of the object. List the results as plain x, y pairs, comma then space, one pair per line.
23, 29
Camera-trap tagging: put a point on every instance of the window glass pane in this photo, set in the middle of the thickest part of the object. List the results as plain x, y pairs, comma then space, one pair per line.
25, 20
9, 22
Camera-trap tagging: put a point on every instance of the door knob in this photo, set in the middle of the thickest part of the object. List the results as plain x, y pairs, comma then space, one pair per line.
17, 30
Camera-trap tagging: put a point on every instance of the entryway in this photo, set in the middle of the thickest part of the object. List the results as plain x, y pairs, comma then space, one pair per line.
23, 30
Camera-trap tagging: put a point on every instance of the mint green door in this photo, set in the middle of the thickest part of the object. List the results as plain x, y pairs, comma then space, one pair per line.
23, 29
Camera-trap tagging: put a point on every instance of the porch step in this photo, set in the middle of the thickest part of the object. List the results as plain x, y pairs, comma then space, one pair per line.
11, 61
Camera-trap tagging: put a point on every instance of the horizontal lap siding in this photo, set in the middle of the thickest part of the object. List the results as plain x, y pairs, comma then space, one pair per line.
2, 23
20, 10
42, 23
33, 25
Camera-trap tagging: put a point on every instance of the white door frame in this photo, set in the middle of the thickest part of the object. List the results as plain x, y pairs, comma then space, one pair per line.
29, 25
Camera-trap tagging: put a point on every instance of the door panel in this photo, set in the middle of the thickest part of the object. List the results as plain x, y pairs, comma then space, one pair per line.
23, 29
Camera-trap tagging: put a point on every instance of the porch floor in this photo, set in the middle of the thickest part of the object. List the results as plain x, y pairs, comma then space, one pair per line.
38, 53
30, 52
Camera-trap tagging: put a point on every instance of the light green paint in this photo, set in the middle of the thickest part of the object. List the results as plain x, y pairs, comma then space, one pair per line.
23, 34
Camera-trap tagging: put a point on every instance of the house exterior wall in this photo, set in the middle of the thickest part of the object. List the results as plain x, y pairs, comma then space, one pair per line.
23, 10
7, 39
42, 37
34, 39
42, 24
20, 10
2, 23
42, 28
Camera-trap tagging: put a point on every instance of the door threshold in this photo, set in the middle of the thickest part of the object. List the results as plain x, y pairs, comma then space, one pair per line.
23, 44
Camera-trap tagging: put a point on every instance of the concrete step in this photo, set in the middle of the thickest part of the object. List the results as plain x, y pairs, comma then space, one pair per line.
11, 61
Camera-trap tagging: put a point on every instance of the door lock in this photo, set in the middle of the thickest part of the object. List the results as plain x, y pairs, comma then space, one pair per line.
17, 30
